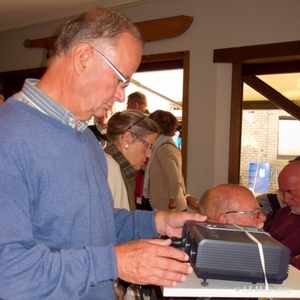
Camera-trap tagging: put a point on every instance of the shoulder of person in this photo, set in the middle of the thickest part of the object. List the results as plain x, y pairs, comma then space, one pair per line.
111, 162
168, 145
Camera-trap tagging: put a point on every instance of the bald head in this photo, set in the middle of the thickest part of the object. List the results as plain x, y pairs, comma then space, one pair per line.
289, 184
224, 198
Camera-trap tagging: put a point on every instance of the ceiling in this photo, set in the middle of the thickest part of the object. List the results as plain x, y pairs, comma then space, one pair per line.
22, 13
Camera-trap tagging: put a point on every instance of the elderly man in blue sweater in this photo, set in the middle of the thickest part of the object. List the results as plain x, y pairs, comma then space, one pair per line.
60, 237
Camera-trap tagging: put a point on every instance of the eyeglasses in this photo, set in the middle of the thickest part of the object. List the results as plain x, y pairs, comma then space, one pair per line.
147, 145
120, 75
256, 212
134, 123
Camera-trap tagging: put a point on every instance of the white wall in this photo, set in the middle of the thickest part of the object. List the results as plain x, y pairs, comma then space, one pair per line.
217, 24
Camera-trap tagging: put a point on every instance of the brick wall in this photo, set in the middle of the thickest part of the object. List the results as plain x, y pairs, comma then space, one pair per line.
259, 143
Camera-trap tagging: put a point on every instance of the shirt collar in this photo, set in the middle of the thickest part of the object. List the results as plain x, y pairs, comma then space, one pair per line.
34, 97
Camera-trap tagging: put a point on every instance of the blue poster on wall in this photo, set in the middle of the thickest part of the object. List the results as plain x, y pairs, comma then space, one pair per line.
259, 177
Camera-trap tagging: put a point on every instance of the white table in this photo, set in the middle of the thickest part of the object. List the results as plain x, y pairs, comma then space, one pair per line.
290, 288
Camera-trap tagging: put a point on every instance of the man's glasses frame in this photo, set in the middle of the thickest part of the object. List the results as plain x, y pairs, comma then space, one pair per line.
256, 212
147, 145
124, 79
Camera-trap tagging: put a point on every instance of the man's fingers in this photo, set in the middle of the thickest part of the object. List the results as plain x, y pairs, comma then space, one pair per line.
152, 262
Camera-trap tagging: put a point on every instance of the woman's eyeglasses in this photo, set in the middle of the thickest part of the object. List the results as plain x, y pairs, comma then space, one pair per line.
134, 123
256, 212
147, 145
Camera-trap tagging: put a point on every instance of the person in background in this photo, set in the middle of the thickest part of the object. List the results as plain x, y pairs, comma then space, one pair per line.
232, 204
177, 137
61, 237
138, 100
131, 135
285, 227
271, 202
100, 127
2, 99
164, 184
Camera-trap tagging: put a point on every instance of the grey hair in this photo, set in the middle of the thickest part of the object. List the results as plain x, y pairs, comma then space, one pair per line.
131, 120
94, 25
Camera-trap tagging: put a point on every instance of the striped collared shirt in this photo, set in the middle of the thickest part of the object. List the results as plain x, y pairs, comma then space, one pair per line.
34, 97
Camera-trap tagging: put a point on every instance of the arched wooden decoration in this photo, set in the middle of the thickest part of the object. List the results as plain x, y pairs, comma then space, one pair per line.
153, 30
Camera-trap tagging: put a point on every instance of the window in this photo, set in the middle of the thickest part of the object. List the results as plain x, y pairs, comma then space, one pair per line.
288, 138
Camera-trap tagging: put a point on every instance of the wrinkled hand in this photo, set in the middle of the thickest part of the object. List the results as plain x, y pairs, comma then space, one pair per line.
152, 262
171, 223
193, 202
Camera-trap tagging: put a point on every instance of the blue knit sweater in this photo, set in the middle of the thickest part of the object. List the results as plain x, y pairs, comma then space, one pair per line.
58, 226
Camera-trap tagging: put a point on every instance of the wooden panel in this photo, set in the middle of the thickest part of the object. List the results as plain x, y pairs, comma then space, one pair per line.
271, 68
287, 51
166, 28
185, 111
153, 30
235, 124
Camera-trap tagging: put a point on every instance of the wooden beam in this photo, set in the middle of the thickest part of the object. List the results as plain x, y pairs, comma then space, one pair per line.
286, 51
271, 94
236, 116
153, 30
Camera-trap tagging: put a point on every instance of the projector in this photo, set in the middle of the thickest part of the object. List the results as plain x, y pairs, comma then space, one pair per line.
227, 252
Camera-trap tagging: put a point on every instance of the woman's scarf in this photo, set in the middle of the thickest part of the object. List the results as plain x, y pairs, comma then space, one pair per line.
128, 172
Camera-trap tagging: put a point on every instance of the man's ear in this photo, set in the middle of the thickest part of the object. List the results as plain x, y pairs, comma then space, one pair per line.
222, 218
81, 57
136, 105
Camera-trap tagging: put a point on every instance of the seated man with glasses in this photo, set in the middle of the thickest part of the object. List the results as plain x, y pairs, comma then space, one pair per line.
232, 204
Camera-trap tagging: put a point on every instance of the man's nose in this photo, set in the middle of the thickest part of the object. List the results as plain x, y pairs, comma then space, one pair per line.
288, 199
120, 94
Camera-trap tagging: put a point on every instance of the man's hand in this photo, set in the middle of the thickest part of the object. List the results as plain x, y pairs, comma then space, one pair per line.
152, 262
171, 223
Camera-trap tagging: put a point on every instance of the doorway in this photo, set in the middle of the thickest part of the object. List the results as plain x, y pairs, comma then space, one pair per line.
247, 63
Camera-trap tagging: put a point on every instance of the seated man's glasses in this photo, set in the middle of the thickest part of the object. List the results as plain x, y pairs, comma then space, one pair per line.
120, 75
256, 212
147, 145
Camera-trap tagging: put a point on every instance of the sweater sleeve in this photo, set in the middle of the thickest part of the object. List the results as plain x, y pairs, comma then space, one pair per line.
142, 222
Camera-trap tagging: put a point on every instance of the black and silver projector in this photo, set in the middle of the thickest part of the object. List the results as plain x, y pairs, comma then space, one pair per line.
226, 252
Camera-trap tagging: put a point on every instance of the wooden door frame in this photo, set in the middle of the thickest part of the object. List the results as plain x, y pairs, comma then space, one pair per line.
175, 60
